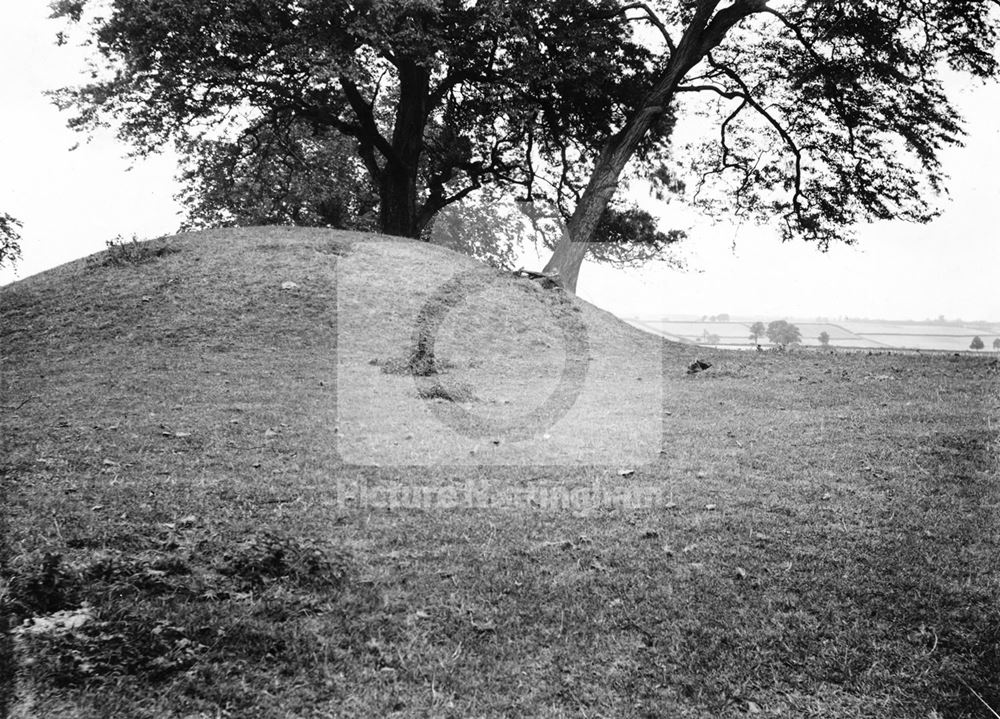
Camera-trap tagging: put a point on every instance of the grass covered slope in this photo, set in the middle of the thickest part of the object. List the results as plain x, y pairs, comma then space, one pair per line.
183, 440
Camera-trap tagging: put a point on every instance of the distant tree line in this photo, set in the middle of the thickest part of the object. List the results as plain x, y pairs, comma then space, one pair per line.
978, 344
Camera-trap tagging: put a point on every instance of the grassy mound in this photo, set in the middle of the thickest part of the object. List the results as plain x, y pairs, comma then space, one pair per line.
207, 439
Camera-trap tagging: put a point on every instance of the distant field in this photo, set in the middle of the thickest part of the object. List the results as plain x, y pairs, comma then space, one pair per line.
812, 330
930, 343
845, 335
916, 330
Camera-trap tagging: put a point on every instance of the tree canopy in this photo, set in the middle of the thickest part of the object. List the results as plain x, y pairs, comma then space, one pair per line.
824, 114
821, 114
423, 101
10, 240
271, 175
783, 333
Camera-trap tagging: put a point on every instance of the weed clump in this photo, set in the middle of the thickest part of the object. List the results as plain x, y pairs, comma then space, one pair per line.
270, 557
422, 362
122, 253
457, 393
40, 584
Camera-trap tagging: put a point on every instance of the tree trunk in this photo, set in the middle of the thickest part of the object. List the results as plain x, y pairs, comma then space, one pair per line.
398, 187
703, 34
398, 203
572, 246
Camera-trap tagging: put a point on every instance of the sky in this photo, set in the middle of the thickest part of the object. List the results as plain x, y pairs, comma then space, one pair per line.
72, 201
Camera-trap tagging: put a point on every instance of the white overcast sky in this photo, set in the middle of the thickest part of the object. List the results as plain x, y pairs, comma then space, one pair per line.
71, 202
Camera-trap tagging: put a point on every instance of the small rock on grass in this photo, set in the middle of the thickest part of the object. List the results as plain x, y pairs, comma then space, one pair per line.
60, 622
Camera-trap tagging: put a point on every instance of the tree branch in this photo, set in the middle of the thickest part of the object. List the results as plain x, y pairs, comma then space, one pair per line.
725, 164
789, 141
653, 19
454, 78
369, 134
726, 19
745, 95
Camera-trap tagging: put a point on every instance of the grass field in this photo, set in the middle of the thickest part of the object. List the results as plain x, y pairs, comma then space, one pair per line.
188, 448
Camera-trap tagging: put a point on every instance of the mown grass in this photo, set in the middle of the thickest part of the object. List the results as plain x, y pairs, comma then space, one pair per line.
170, 476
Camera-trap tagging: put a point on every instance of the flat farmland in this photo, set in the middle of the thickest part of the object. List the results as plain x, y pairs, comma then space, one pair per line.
870, 335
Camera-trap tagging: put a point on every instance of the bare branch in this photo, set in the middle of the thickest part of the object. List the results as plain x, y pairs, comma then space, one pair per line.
369, 134
725, 164
728, 94
653, 19
462, 194
789, 141
378, 86
726, 19
745, 95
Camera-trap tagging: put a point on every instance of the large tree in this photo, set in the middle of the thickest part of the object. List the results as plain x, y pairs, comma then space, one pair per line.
435, 98
783, 333
825, 113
